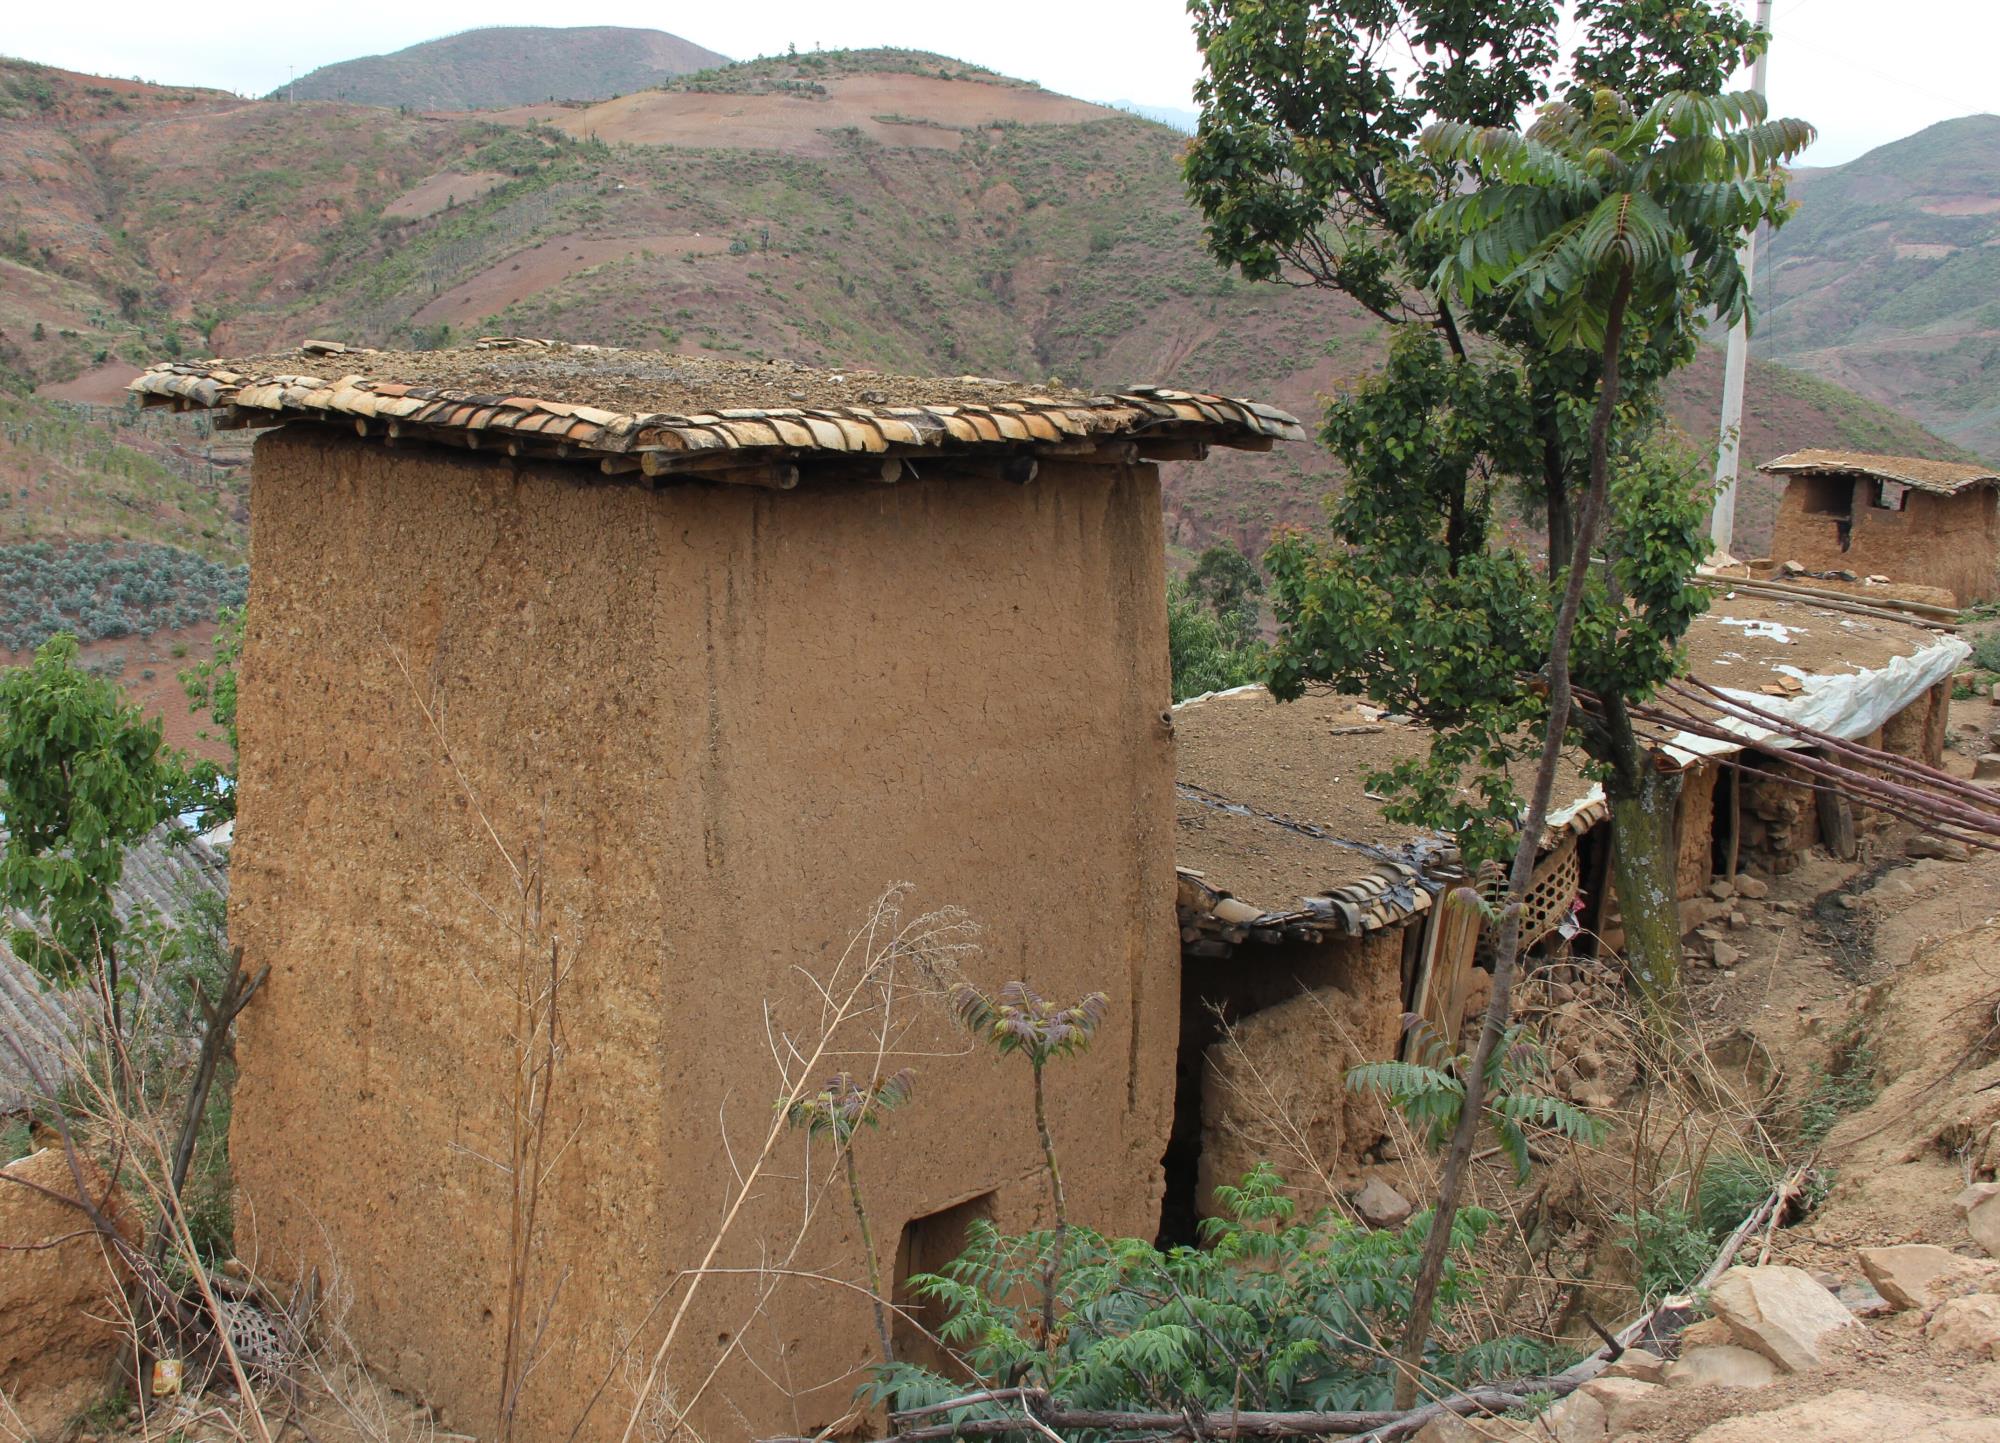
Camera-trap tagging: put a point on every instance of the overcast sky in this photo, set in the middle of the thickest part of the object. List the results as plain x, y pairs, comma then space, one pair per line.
1863, 71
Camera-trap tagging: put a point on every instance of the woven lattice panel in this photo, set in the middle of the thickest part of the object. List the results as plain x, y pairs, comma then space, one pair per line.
1551, 894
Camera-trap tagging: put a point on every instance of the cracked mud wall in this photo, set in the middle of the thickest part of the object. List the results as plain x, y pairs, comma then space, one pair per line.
1951, 542
723, 720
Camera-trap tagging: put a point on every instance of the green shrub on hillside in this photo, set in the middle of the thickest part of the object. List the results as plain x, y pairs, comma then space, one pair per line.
99, 590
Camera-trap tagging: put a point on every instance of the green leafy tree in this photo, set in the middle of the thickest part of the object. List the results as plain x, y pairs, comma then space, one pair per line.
838, 1111
1203, 650
211, 687
82, 778
1020, 1020
1227, 582
1581, 257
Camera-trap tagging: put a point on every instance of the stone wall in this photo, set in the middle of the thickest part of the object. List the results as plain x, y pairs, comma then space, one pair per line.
1951, 542
708, 725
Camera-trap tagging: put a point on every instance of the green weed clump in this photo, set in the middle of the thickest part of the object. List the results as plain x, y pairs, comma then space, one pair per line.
1271, 1313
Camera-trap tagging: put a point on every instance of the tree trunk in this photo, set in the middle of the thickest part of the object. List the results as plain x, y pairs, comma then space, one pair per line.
1437, 1246
1646, 860
1052, 1270
882, 1332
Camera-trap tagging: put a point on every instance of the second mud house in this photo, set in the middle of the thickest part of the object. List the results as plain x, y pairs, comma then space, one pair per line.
671, 664
1928, 523
1312, 926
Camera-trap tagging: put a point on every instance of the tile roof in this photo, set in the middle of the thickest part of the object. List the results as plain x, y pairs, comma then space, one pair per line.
1946, 478
664, 414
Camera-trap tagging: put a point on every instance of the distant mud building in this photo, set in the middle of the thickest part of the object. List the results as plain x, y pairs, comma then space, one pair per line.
714, 651
1926, 523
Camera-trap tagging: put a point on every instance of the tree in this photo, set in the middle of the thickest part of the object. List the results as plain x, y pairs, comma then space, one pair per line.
1321, 160
211, 687
1579, 258
1202, 649
839, 1110
82, 777
1227, 583
1021, 1020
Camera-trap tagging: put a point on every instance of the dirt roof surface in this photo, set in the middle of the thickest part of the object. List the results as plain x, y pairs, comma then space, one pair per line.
638, 382
1941, 476
1305, 762
1744, 641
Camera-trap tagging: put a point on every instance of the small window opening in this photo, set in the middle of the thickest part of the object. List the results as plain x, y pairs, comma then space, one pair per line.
929, 1243
1888, 496
1827, 495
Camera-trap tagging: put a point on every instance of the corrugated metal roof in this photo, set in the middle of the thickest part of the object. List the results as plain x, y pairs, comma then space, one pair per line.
1946, 478
163, 873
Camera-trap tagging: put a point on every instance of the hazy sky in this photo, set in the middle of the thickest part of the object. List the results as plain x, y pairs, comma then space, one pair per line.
1863, 71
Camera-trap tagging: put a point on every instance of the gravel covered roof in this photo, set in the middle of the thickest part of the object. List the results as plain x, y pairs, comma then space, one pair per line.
1944, 477
664, 413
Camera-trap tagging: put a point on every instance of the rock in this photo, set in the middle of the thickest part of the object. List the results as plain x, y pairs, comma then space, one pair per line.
1844, 1416
1751, 887
1637, 1363
1938, 849
1622, 1399
1724, 955
58, 1351
1979, 1205
1722, 1365
1737, 921
1779, 1312
1721, 890
1851, 903
1918, 1275
1448, 1428
1708, 1333
1966, 1325
1381, 1206
1579, 1418
1986, 768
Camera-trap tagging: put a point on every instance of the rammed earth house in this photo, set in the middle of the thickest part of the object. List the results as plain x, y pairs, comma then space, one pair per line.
1931, 523
716, 651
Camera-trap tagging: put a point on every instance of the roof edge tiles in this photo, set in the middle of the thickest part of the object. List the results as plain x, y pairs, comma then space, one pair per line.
1944, 478
753, 444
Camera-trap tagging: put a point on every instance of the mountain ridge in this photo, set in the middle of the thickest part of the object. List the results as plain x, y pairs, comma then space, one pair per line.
482, 68
880, 209
1887, 280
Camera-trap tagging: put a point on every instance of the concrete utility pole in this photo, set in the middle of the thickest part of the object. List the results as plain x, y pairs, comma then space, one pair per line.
1722, 522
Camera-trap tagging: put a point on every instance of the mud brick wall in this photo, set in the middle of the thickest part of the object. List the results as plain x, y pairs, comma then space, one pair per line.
1951, 542
713, 722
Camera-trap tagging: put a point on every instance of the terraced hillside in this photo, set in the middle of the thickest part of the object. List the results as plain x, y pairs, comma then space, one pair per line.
1888, 280
884, 208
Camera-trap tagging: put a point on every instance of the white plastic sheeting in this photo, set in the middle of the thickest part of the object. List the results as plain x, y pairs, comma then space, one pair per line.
1847, 706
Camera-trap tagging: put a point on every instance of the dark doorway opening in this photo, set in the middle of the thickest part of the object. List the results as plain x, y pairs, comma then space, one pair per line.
927, 1244
1217, 992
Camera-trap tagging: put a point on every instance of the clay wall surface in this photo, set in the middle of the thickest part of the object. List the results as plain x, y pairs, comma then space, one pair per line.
714, 722
1951, 542
1276, 1092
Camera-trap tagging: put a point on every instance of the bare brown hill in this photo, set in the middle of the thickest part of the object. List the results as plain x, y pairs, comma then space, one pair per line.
505, 65
874, 208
